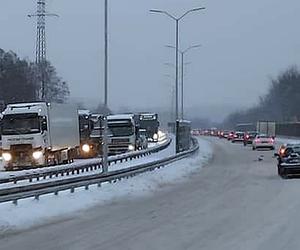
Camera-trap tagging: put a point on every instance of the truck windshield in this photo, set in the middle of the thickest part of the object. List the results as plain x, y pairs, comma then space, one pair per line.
20, 124
118, 128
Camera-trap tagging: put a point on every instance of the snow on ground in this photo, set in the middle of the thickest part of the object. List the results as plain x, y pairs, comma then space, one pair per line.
287, 140
30, 212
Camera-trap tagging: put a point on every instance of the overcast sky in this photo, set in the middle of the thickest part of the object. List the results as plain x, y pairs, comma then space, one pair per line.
243, 44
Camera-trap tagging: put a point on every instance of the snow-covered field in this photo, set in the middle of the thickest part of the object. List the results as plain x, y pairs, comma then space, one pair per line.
30, 212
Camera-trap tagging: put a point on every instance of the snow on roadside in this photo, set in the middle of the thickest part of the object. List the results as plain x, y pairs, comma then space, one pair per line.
30, 212
283, 140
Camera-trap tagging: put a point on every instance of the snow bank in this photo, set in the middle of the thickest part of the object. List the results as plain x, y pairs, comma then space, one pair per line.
30, 212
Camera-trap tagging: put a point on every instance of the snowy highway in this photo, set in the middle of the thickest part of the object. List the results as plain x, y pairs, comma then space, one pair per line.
234, 202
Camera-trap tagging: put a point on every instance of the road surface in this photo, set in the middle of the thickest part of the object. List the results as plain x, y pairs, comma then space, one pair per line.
236, 202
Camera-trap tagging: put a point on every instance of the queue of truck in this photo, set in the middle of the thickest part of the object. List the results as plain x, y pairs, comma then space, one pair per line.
42, 134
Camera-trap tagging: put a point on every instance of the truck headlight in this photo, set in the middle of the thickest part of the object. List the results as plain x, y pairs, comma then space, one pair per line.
155, 136
6, 156
86, 148
130, 147
37, 155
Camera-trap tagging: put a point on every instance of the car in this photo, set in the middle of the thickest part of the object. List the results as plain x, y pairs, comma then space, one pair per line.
224, 134
288, 160
263, 141
230, 135
238, 137
249, 137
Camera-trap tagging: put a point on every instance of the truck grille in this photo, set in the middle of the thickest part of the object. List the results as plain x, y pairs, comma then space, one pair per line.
119, 141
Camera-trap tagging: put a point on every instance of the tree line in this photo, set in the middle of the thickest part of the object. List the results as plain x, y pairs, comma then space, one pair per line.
280, 104
20, 81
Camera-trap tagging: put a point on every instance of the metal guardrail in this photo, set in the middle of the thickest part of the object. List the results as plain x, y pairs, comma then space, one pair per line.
83, 167
36, 190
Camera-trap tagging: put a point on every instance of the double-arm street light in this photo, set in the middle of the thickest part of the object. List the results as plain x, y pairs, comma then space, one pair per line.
183, 52
177, 19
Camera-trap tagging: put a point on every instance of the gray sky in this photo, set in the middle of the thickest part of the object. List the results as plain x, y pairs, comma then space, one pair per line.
243, 44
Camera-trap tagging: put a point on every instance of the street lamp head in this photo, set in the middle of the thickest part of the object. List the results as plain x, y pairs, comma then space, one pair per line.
156, 11
197, 9
170, 46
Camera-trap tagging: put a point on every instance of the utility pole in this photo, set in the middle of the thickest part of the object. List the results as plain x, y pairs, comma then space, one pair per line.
105, 129
41, 49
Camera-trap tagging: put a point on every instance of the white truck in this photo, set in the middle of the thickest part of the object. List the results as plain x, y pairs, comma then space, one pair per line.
39, 134
121, 133
266, 127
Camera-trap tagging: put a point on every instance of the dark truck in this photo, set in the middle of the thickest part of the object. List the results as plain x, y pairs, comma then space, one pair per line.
148, 122
90, 134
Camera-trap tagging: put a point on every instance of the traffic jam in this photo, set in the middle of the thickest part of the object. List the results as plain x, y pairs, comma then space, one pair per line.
262, 137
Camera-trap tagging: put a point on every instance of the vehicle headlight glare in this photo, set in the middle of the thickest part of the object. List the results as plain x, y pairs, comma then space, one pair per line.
6, 156
130, 147
37, 155
86, 148
155, 136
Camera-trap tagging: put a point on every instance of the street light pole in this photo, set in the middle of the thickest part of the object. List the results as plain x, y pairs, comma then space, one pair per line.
176, 19
183, 52
105, 126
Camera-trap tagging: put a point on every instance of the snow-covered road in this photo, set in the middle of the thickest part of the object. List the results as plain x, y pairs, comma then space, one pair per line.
236, 202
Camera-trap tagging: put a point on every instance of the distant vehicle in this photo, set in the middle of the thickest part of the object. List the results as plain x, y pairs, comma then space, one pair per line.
213, 132
238, 137
245, 127
267, 128
39, 134
263, 141
249, 137
122, 134
230, 135
89, 145
150, 123
224, 134
288, 160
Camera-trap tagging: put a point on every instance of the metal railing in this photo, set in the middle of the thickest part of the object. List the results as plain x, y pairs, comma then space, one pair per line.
36, 190
83, 167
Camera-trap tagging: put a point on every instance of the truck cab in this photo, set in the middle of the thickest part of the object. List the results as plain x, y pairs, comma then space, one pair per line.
24, 134
121, 134
150, 123
38, 134
90, 134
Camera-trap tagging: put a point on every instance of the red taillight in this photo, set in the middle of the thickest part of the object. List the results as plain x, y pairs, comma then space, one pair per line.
271, 140
257, 140
282, 151
247, 136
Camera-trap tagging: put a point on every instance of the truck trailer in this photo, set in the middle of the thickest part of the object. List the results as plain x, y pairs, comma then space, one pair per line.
39, 134
267, 128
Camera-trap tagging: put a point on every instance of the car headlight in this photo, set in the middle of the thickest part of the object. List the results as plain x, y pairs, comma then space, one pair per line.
86, 148
155, 136
7, 156
37, 155
130, 147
